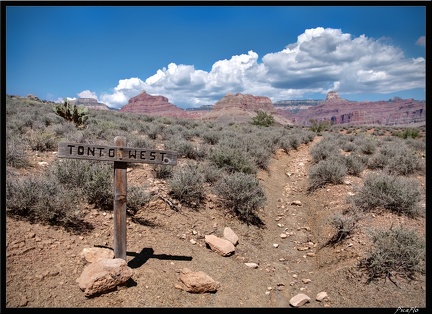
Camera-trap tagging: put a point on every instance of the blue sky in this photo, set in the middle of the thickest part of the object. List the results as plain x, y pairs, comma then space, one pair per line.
194, 55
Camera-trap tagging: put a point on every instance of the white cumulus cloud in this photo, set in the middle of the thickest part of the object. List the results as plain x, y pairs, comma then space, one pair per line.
321, 59
87, 94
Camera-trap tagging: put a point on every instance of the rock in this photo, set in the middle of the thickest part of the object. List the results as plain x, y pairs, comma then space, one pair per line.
336, 110
321, 296
221, 246
283, 235
230, 235
89, 103
196, 282
104, 275
299, 300
306, 280
147, 104
252, 265
297, 203
93, 254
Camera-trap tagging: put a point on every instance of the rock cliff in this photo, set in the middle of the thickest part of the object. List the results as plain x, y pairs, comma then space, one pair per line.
89, 103
336, 110
152, 105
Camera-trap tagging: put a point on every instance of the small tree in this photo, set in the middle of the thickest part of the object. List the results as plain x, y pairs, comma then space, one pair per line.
77, 115
263, 119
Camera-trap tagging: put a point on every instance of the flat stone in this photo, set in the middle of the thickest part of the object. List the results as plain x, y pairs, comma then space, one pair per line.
299, 300
321, 296
196, 282
221, 246
230, 235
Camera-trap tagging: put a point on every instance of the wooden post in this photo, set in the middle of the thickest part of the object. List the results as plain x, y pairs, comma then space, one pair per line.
120, 193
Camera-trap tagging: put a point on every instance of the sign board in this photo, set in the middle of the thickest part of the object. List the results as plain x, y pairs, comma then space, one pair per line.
120, 155
116, 153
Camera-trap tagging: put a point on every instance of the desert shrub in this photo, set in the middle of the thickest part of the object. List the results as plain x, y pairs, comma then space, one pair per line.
330, 170
183, 147
15, 153
42, 141
242, 194
396, 158
232, 160
395, 193
319, 126
162, 171
418, 145
324, 149
344, 225
70, 172
408, 133
211, 137
348, 146
366, 144
136, 198
60, 129
98, 187
42, 199
187, 184
210, 172
263, 118
139, 141
355, 164
394, 252
403, 164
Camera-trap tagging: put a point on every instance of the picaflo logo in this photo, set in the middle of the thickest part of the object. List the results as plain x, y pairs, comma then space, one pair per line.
407, 310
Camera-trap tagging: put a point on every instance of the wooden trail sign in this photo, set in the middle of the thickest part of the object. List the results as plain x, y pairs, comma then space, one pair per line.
120, 155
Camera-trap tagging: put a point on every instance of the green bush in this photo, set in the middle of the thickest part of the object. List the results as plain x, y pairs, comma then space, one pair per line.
408, 133
187, 184
263, 118
395, 193
242, 194
319, 126
330, 170
396, 251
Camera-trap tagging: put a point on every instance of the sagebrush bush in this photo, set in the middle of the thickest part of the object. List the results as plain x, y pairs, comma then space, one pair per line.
398, 251
15, 154
43, 199
344, 225
324, 149
241, 193
162, 171
136, 198
232, 160
187, 184
355, 164
331, 170
42, 141
395, 193
395, 157
98, 187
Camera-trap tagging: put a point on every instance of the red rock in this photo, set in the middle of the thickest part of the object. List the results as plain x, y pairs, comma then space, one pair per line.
152, 105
